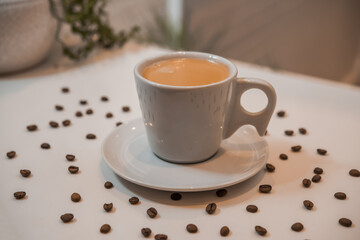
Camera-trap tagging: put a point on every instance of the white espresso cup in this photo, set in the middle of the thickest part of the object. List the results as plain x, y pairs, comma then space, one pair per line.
186, 124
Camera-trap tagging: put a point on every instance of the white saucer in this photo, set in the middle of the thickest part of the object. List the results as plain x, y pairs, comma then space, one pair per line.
128, 154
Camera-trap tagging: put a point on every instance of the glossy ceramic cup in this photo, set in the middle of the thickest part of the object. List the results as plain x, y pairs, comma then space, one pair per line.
186, 124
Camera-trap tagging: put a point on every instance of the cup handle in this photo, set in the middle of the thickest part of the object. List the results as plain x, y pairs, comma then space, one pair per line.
238, 116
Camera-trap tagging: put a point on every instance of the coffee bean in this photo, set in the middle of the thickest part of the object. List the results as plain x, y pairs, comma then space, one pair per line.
221, 192
73, 169
211, 208
32, 128
59, 107
289, 132
316, 178
161, 237
224, 231
318, 170
83, 102
308, 204
70, 157
108, 185
283, 156
118, 123
65, 89
266, 188
345, 222
354, 173
67, 217
109, 115
302, 131
296, 148
252, 208
53, 124
66, 123
340, 195
105, 228
75, 197
25, 172
78, 114
260, 230
281, 113
11, 154
134, 200
104, 98
146, 232
108, 207
89, 111
152, 212
270, 167
19, 195
45, 146
176, 196
321, 151
91, 136
306, 182
126, 109
191, 228
297, 227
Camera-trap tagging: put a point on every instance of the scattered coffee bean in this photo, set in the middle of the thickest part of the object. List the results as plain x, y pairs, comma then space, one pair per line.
109, 115
70, 157
59, 107
53, 124
354, 173
66, 123
108, 207
283, 156
89, 111
146, 232
126, 109
340, 195
19, 195
296, 148
161, 237
345, 222
32, 128
308, 204
67, 217
25, 172
78, 114
316, 178
306, 182
260, 230
176, 196
104, 98
281, 113
270, 167
318, 170
11, 154
118, 124
83, 102
252, 208
266, 188
134, 200
224, 231
191, 228
321, 151
289, 132
75, 197
65, 89
211, 208
297, 227
105, 228
45, 146
152, 212
73, 169
302, 131
91, 136
221, 192
108, 185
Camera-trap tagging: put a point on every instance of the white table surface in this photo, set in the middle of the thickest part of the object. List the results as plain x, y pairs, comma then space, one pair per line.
329, 111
